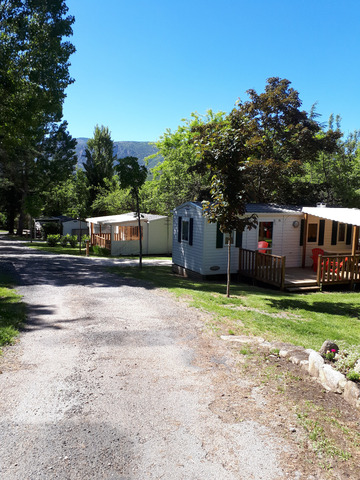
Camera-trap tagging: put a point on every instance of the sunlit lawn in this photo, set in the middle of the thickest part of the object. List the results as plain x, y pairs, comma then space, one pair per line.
301, 319
12, 311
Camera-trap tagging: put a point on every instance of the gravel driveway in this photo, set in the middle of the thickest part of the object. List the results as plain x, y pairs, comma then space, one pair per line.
114, 380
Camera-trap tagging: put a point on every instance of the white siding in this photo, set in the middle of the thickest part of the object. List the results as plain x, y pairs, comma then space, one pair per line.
217, 257
183, 254
286, 237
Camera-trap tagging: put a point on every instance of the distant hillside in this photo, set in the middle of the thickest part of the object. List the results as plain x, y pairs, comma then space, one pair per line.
139, 150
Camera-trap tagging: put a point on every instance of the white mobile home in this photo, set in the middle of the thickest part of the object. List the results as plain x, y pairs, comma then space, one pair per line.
199, 246
120, 233
286, 237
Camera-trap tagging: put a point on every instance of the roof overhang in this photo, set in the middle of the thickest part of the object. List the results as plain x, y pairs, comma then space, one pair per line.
350, 216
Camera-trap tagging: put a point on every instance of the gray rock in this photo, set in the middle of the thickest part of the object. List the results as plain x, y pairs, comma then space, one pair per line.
332, 379
316, 362
327, 346
352, 394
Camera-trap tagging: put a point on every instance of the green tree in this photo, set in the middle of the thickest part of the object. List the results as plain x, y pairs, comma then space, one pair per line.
174, 181
99, 164
132, 176
34, 73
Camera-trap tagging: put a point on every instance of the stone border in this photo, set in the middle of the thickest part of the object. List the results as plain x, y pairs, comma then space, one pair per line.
312, 362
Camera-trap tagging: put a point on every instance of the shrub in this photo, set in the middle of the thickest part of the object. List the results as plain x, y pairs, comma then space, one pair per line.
354, 376
52, 240
73, 240
100, 251
64, 240
51, 228
84, 239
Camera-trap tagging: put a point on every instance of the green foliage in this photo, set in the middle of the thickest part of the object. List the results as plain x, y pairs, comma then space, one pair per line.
112, 199
84, 239
64, 240
50, 229
99, 164
73, 241
100, 251
353, 376
174, 180
52, 240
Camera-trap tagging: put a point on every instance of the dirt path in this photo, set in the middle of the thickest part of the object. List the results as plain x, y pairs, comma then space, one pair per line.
114, 380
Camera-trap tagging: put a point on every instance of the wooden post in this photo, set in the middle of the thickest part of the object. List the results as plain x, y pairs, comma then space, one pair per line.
355, 239
283, 273
306, 218
87, 248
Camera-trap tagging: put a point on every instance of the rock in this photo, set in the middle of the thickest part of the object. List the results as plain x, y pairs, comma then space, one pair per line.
332, 379
327, 346
316, 362
352, 394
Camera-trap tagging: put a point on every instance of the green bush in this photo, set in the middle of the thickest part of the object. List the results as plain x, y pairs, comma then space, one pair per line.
73, 240
354, 376
64, 240
51, 228
52, 240
100, 251
84, 239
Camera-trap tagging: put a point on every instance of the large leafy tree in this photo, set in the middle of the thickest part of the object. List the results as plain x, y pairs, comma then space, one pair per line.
175, 181
100, 158
34, 73
254, 154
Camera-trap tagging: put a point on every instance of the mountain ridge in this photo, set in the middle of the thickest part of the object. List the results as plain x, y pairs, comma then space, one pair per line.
122, 149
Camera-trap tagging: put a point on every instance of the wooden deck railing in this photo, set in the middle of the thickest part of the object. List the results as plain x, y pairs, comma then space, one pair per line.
337, 269
102, 240
262, 266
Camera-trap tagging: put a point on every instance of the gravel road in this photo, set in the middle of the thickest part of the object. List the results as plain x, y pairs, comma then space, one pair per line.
114, 380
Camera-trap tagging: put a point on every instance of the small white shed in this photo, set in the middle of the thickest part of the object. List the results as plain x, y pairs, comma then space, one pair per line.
74, 227
120, 233
200, 248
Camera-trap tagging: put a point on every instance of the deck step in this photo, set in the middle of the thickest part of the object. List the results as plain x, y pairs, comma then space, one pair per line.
303, 288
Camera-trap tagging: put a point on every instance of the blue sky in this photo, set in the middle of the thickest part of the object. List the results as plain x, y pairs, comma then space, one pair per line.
142, 66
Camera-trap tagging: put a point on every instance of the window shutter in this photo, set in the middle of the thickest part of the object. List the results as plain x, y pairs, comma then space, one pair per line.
321, 232
179, 229
302, 227
239, 238
219, 237
191, 230
348, 234
334, 232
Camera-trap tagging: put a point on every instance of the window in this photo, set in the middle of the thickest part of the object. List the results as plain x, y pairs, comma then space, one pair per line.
341, 233
185, 230
312, 232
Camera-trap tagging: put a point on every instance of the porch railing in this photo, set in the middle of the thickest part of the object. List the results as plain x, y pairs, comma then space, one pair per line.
262, 266
102, 240
338, 269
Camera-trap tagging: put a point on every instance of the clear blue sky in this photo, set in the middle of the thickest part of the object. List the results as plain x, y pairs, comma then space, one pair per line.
141, 66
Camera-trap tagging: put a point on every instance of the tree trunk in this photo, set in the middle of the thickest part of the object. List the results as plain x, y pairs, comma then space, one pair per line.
228, 268
139, 225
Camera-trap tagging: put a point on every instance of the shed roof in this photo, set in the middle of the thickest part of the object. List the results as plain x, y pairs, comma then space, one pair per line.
124, 218
343, 215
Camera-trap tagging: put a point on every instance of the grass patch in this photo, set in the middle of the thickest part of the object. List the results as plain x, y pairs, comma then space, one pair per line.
12, 311
94, 252
305, 320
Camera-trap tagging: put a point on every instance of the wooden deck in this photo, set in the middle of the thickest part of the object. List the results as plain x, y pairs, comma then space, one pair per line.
332, 270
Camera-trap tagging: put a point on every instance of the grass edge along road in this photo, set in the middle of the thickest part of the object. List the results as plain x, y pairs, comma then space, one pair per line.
12, 311
305, 320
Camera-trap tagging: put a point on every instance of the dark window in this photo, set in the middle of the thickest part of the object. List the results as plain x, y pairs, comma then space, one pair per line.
312, 232
341, 235
185, 230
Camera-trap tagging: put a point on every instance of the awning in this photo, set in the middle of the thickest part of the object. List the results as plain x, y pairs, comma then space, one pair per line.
350, 216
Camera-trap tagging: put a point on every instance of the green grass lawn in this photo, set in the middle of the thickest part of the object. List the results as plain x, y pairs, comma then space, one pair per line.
12, 311
301, 319
58, 249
